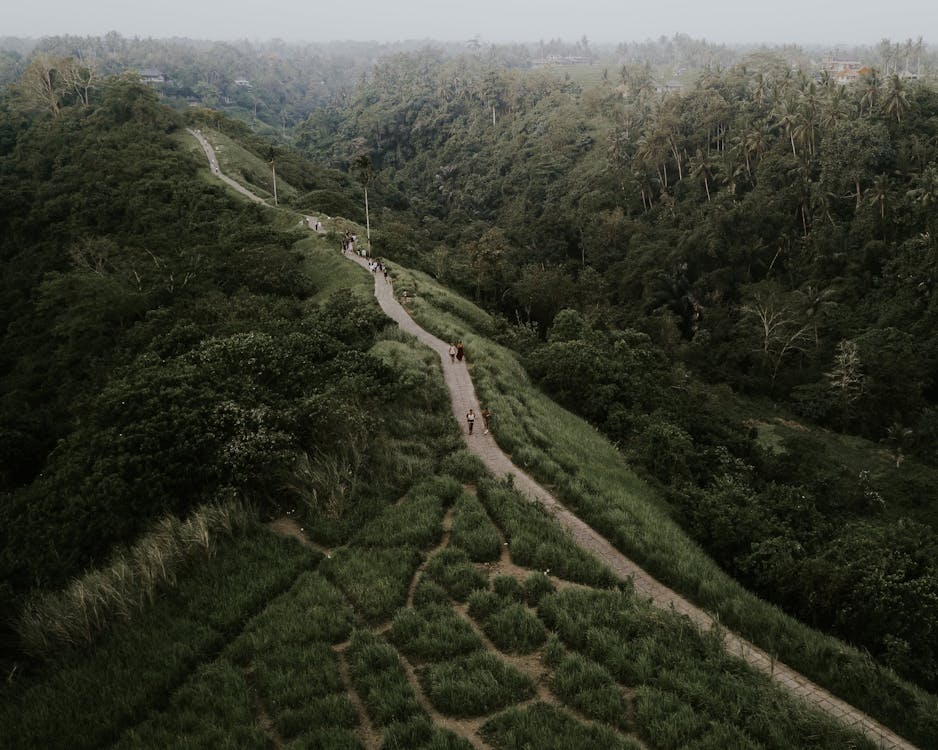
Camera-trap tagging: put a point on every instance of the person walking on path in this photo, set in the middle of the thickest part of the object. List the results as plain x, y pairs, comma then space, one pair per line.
486, 416
452, 353
460, 351
470, 419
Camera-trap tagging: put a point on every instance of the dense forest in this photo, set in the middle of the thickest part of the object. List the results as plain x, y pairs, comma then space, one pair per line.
732, 282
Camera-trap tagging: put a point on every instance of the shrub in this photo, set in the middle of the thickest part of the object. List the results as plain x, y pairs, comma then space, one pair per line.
548, 728
474, 685
508, 588
433, 632
453, 571
473, 532
513, 629
380, 680
536, 586
429, 592
376, 580
590, 689
419, 733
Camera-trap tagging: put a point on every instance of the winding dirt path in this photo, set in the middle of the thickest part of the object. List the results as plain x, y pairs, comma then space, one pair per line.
463, 398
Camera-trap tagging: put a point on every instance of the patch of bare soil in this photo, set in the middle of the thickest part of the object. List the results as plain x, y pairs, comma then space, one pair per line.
288, 527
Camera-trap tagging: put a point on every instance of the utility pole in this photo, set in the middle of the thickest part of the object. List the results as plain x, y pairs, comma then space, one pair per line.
273, 169
367, 219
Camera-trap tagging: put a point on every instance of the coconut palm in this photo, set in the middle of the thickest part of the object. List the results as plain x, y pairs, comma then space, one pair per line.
870, 88
897, 100
703, 168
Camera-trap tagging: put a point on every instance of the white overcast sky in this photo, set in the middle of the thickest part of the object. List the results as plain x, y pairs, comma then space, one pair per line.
826, 22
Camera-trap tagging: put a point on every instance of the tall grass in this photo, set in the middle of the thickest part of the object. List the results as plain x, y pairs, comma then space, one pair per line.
546, 727
590, 476
77, 614
84, 698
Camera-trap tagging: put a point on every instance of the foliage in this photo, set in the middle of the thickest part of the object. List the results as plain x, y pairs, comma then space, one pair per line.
433, 632
474, 685
541, 725
374, 579
472, 530
452, 570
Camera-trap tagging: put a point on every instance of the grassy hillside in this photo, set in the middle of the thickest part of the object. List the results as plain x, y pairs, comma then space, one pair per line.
592, 477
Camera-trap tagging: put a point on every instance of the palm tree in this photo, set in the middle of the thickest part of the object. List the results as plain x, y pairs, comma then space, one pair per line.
926, 194
897, 100
703, 168
787, 118
869, 93
879, 194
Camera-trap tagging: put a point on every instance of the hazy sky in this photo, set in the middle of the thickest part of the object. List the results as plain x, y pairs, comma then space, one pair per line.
802, 21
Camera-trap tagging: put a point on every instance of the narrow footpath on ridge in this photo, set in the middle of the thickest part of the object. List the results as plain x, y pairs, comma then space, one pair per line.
463, 398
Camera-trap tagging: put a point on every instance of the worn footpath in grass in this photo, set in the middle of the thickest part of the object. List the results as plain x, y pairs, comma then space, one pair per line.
590, 476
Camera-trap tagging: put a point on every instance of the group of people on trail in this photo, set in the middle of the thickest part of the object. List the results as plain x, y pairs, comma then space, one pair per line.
377, 266
348, 244
486, 418
456, 352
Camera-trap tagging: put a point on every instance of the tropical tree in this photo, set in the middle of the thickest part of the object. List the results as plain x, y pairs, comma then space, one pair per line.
896, 103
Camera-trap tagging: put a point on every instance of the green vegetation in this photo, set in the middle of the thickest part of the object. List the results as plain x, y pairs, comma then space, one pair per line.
452, 570
552, 444
177, 364
212, 709
415, 520
535, 541
642, 648
472, 530
544, 726
590, 689
433, 632
679, 269
474, 685
374, 579
136, 664
506, 622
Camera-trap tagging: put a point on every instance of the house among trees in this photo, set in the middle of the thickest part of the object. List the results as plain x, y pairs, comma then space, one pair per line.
152, 76
845, 71
242, 82
673, 86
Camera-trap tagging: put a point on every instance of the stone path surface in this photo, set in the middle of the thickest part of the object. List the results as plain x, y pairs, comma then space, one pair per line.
463, 398
213, 163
